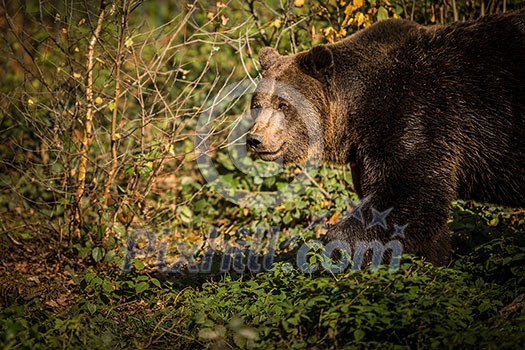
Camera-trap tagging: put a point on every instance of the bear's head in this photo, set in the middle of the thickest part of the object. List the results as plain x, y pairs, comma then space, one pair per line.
291, 105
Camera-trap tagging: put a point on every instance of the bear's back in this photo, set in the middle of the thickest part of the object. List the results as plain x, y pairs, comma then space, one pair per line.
463, 84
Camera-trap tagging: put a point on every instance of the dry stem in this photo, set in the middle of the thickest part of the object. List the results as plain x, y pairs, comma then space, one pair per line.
88, 120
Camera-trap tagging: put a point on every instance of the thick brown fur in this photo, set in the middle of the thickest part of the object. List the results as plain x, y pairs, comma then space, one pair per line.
424, 116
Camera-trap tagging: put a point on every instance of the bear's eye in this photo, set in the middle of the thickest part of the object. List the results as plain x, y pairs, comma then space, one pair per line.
282, 106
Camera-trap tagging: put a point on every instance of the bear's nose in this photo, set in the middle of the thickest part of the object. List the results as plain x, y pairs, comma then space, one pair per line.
253, 140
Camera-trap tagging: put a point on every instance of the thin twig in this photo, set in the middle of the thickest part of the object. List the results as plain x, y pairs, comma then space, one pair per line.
114, 117
327, 195
88, 120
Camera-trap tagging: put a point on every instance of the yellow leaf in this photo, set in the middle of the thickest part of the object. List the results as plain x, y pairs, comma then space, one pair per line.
298, 3
76, 75
210, 15
360, 19
349, 10
358, 3
329, 34
170, 148
99, 100
277, 23
333, 220
348, 21
30, 102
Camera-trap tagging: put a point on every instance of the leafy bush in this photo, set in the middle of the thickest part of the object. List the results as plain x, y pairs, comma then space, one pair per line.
420, 306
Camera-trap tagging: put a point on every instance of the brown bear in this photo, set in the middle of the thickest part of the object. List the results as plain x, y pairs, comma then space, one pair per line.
423, 115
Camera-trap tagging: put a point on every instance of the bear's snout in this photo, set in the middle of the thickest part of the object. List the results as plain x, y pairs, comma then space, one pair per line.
266, 135
264, 140
254, 140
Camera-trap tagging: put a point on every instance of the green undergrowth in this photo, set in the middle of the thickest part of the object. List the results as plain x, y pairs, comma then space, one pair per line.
475, 304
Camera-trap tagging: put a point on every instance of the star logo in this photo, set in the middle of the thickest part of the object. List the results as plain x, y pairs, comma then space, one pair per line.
399, 231
379, 218
357, 213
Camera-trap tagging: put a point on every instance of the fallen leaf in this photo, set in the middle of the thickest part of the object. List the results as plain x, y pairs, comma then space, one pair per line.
333, 220
52, 303
34, 279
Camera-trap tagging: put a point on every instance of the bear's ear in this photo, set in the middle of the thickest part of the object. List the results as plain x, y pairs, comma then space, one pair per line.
267, 57
318, 62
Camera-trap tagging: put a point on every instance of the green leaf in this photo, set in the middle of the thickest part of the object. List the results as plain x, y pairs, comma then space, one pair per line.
359, 334
141, 287
110, 256
186, 215
96, 281
89, 276
139, 265
155, 282
382, 13
107, 286
91, 308
98, 253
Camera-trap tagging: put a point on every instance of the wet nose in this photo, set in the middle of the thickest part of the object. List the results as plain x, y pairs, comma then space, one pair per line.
253, 140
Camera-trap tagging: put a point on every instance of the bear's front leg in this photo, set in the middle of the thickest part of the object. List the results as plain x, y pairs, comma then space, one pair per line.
412, 211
